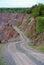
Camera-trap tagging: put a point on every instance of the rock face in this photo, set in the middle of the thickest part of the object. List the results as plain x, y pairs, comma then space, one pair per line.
7, 32
25, 22
11, 18
31, 28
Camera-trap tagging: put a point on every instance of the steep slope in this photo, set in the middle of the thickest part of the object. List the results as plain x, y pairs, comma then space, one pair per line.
11, 18
31, 27
30, 31
25, 22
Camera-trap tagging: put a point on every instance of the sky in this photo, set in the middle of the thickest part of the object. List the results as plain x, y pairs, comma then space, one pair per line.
19, 3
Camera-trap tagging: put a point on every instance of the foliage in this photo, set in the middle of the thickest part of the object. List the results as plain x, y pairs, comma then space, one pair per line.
35, 11
1, 62
18, 24
18, 10
28, 10
27, 34
40, 24
37, 47
41, 7
38, 10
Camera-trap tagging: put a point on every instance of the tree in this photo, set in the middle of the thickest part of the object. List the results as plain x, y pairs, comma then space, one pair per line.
38, 10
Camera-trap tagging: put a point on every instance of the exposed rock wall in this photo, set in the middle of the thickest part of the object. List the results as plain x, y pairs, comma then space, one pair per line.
6, 33
11, 18
31, 28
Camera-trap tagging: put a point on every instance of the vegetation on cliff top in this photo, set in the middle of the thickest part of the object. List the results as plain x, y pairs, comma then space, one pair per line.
36, 10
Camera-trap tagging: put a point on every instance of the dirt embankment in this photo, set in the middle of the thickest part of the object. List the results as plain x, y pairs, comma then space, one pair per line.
30, 30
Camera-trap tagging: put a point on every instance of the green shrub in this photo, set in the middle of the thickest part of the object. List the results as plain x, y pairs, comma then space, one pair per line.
35, 11
1, 62
27, 34
38, 10
18, 24
40, 24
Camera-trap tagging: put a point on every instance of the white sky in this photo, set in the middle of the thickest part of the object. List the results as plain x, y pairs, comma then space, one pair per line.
17, 3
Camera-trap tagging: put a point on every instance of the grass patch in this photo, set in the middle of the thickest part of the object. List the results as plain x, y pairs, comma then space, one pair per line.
18, 24
37, 47
1, 62
40, 24
27, 34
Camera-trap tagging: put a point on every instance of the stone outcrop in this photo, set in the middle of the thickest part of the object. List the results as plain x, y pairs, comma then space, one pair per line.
7, 32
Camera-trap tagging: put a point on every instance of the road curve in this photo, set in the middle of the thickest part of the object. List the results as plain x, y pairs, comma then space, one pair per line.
19, 52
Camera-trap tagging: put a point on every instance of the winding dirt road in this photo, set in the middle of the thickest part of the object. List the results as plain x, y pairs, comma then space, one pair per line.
19, 53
